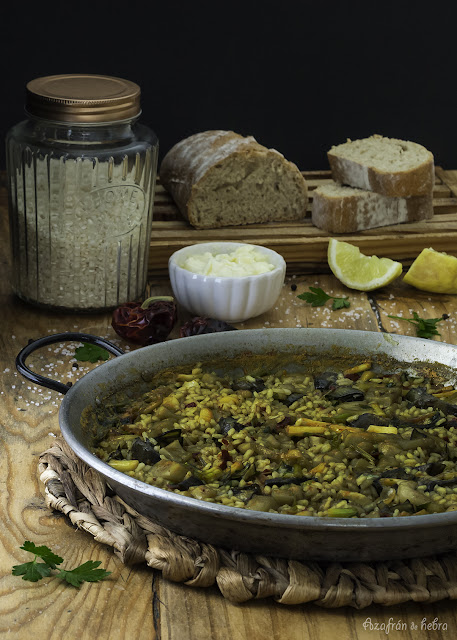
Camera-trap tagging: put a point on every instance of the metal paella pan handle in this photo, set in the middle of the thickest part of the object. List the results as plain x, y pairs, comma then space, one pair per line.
33, 345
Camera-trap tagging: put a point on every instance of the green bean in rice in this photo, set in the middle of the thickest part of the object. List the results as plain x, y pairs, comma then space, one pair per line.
354, 443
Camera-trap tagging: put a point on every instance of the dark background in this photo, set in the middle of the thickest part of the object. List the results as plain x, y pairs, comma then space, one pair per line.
298, 76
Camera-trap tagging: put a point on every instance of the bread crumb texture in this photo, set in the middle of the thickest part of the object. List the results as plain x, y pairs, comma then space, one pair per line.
220, 178
391, 167
386, 154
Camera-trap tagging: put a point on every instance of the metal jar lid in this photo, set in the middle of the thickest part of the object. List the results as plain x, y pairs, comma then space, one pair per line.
82, 98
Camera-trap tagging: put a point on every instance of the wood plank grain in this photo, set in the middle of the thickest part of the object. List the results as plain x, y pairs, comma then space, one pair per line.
447, 177
308, 250
257, 621
176, 229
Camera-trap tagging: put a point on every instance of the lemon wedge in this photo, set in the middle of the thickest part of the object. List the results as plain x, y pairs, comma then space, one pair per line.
433, 271
358, 271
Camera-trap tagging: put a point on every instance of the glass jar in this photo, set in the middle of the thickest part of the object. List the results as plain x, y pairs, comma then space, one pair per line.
81, 178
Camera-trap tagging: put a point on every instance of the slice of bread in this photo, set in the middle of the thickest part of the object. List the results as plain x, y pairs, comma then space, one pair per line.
395, 168
340, 209
220, 178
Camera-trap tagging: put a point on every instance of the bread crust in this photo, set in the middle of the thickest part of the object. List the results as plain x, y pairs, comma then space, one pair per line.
416, 181
365, 210
191, 162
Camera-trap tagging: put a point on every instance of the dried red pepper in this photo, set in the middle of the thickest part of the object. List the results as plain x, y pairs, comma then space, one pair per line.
145, 323
199, 325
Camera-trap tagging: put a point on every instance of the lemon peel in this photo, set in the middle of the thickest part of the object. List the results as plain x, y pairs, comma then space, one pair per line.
358, 271
433, 271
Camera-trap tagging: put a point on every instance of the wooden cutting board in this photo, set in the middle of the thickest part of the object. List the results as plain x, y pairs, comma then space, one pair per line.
303, 246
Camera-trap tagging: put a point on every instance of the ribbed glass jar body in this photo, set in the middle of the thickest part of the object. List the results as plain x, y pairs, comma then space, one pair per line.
81, 204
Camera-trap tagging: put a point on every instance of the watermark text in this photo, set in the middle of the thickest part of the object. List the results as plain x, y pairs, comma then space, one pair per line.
400, 625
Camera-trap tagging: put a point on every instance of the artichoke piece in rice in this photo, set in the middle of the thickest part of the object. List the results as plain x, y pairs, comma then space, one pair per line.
346, 443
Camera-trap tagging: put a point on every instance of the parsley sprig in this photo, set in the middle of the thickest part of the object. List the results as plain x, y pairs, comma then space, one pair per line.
425, 327
91, 353
317, 298
36, 570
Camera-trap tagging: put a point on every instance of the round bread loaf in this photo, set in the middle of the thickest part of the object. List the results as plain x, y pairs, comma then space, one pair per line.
220, 178
391, 167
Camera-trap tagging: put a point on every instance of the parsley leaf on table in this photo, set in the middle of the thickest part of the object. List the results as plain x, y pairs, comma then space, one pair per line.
32, 571
43, 552
340, 303
91, 353
317, 298
86, 572
35, 570
425, 327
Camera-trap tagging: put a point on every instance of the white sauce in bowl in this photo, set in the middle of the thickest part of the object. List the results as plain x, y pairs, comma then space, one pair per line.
244, 261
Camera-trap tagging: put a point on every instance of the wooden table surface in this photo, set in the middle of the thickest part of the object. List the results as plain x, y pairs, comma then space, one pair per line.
136, 602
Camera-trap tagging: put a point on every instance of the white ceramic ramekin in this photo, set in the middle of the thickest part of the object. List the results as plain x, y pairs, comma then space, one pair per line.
233, 299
